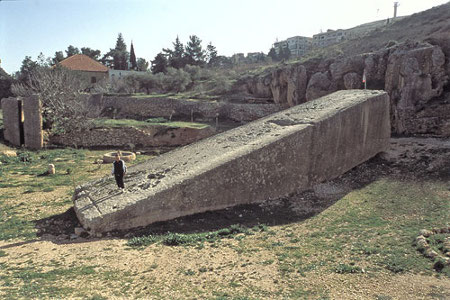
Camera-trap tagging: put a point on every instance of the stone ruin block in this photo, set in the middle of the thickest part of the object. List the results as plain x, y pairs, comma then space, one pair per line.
12, 116
269, 158
32, 111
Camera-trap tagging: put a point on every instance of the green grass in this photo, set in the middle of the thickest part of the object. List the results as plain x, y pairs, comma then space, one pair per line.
21, 173
177, 239
378, 224
150, 122
31, 282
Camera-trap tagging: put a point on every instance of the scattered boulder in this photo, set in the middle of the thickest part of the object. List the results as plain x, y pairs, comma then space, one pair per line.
51, 169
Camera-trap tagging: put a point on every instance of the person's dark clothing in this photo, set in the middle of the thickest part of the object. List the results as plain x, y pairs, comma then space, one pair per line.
118, 170
119, 180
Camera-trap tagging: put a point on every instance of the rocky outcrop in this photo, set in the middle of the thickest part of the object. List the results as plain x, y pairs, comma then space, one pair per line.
415, 75
319, 85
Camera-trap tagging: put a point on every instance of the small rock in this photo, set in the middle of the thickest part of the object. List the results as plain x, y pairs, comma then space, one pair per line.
138, 153
73, 236
426, 233
79, 230
51, 169
430, 253
98, 234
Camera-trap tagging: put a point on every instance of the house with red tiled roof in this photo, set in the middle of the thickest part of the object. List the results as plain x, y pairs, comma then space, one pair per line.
90, 68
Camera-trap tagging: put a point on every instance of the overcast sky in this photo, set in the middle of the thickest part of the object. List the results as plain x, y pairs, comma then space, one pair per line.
28, 27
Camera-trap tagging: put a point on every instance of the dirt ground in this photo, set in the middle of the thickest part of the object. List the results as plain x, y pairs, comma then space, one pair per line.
244, 266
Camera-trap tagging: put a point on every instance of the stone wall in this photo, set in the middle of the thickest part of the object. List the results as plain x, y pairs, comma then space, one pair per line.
269, 158
22, 121
154, 136
12, 118
142, 108
32, 111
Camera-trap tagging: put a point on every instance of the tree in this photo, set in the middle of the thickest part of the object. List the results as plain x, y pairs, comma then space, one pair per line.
211, 55
176, 57
120, 54
71, 50
60, 91
133, 58
176, 80
5, 84
59, 56
285, 53
94, 54
142, 64
195, 55
108, 59
273, 54
159, 64
27, 68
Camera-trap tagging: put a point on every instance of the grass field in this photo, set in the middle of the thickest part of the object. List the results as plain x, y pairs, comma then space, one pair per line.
359, 246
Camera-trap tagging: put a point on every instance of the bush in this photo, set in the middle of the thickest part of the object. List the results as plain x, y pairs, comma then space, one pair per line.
176, 80
347, 269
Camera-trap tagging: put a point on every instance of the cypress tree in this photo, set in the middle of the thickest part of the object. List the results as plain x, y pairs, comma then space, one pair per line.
133, 58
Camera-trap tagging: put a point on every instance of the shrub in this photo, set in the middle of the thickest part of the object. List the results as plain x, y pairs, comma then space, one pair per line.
176, 80
347, 269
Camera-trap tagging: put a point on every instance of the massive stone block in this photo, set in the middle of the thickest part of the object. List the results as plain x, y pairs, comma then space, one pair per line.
12, 115
266, 159
32, 112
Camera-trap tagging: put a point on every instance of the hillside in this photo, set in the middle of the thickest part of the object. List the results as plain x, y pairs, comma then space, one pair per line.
426, 25
409, 59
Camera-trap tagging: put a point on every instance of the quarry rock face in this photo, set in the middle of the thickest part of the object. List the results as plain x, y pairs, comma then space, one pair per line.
414, 74
266, 159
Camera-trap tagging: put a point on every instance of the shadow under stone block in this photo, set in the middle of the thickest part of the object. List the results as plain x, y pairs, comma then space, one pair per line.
32, 111
12, 120
289, 151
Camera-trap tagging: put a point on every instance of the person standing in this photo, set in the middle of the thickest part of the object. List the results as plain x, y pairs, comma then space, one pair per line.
119, 170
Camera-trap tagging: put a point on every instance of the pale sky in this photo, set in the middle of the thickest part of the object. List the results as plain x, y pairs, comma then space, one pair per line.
28, 27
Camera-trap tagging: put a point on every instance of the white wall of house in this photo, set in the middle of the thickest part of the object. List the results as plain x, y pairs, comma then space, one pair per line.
118, 74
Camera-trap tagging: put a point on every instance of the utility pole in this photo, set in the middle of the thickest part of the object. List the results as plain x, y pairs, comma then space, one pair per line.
396, 4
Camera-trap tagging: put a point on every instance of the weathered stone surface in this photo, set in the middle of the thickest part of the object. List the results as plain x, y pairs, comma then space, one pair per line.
269, 158
352, 81
11, 120
132, 107
415, 74
288, 85
154, 136
318, 86
260, 86
32, 111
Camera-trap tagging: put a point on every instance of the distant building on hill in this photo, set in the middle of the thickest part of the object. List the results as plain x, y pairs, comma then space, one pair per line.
91, 69
297, 45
